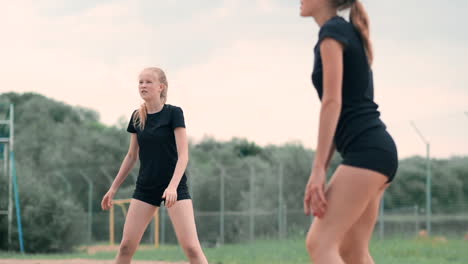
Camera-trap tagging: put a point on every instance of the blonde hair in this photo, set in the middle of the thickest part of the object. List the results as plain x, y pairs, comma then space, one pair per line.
360, 20
358, 16
139, 118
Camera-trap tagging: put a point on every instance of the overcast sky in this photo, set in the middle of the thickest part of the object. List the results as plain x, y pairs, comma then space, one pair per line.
240, 67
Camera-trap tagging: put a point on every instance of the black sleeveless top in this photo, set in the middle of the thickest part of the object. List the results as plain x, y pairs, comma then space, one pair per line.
359, 111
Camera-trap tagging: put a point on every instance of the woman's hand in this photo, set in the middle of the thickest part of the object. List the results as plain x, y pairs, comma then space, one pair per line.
170, 194
106, 202
314, 197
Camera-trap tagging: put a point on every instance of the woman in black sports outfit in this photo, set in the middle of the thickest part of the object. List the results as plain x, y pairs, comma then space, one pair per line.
159, 139
346, 209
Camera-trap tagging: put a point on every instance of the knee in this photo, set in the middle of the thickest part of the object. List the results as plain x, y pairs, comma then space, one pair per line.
312, 246
355, 255
127, 248
317, 247
320, 247
192, 251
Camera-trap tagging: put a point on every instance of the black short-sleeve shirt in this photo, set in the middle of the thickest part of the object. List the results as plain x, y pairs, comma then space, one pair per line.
359, 111
157, 147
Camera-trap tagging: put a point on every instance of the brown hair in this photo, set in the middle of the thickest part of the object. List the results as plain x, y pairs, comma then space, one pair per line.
139, 118
358, 16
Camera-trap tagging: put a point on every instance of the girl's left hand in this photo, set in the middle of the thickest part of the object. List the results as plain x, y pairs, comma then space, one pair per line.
170, 194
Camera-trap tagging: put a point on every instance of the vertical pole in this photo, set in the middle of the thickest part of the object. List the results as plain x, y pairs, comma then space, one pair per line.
111, 226
280, 202
221, 219
416, 217
428, 181
10, 193
156, 230
252, 219
17, 201
285, 223
10, 180
163, 224
428, 190
381, 218
90, 211
14, 178
12, 129
152, 226
90, 203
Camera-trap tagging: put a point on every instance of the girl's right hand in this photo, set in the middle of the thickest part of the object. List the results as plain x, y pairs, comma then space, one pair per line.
314, 198
106, 202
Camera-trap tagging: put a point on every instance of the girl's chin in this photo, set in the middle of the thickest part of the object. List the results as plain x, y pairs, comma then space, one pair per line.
303, 14
145, 97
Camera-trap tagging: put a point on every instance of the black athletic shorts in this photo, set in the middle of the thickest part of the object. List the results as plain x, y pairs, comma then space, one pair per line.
375, 150
154, 196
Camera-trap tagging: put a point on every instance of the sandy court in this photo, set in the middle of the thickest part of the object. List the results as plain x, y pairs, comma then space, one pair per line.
90, 250
77, 261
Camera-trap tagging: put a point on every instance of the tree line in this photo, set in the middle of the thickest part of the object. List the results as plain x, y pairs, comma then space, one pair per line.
58, 146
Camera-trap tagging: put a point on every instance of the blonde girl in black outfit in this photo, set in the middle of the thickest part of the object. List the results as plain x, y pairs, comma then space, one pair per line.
346, 209
158, 138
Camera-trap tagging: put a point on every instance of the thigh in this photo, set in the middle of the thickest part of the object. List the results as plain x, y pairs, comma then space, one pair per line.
348, 194
360, 233
138, 217
183, 220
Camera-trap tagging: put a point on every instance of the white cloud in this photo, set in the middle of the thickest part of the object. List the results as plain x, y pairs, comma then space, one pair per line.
267, 6
90, 59
228, 8
231, 94
239, 68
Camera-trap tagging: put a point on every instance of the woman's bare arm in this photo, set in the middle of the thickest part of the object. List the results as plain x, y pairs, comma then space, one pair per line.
127, 164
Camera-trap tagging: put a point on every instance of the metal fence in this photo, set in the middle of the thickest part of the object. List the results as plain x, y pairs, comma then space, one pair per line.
278, 218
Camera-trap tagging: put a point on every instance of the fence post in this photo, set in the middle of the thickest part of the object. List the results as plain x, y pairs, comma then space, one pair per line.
163, 224
221, 219
285, 221
280, 202
416, 218
251, 204
381, 218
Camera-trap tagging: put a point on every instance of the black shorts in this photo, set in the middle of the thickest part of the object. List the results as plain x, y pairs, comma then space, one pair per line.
375, 150
154, 196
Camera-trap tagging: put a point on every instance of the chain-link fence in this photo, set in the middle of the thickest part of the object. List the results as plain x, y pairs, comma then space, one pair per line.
230, 208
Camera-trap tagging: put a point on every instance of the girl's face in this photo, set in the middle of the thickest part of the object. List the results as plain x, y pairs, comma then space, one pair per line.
149, 86
311, 7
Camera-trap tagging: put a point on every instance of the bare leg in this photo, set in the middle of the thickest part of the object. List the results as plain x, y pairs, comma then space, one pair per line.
138, 216
183, 220
354, 248
348, 195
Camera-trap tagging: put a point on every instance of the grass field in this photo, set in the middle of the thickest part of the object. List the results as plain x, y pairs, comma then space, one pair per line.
289, 252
